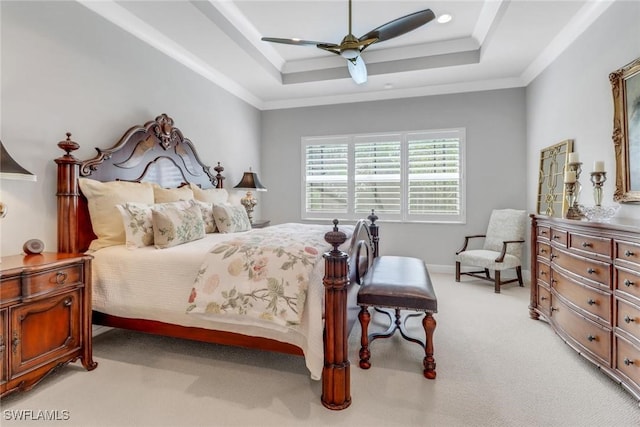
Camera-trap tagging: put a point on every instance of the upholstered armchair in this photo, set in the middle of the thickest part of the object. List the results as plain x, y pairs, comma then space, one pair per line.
502, 249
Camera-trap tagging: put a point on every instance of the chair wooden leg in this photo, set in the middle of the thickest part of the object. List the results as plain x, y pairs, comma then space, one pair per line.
429, 325
497, 281
519, 273
457, 271
365, 354
486, 272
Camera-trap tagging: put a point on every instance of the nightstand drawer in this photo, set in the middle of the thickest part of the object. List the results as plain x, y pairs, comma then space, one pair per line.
11, 289
50, 280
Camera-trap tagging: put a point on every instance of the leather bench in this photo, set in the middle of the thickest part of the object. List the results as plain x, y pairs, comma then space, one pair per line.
399, 283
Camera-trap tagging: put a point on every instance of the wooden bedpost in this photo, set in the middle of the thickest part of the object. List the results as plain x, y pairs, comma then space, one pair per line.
336, 393
373, 230
68, 195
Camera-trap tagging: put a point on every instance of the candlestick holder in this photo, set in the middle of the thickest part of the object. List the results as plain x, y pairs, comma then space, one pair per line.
573, 212
598, 179
577, 168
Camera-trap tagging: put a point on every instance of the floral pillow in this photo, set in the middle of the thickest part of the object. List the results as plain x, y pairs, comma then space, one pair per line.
207, 215
175, 225
138, 221
231, 219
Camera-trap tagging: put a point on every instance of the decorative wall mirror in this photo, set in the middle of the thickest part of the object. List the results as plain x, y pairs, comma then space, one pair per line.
625, 84
551, 194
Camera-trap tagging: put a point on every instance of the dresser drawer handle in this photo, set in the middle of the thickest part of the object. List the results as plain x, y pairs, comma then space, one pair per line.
591, 271
61, 278
543, 251
586, 245
68, 302
543, 232
628, 283
543, 298
591, 301
554, 309
554, 256
628, 319
543, 273
591, 338
15, 342
628, 361
628, 253
556, 237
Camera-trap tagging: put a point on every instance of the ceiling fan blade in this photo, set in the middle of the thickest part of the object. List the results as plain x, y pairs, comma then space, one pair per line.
400, 26
357, 69
296, 42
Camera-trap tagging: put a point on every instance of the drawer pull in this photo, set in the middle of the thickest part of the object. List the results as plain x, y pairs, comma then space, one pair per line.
543, 273
628, 361
15, 342
556, 237
586, 245
628, 253
554, 256
591, 338
61, 278
628, 319
2, 346
628, 282
591, 301
554, 309
543, 232
68, 302
590, 270
543, 251
543, 298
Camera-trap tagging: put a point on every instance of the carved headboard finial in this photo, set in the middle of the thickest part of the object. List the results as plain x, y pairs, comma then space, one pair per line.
219, 177
68, 145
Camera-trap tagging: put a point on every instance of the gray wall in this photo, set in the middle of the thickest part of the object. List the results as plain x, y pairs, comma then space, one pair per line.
64, 68
495, 155
572, 99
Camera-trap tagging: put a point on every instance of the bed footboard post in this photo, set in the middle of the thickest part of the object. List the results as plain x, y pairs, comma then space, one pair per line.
336, 381
68, 194
373, 230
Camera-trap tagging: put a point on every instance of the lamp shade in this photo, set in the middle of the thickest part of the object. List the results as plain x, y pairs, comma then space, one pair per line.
250, 181
10, 169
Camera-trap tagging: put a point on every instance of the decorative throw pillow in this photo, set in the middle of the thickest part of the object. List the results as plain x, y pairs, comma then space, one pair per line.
102, 198
207, 215
138, 221
173, 225
164, 195
216, 196
231, 218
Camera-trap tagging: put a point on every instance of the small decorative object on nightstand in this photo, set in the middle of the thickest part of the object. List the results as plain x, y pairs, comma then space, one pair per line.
250, 182
45, 317
260, 223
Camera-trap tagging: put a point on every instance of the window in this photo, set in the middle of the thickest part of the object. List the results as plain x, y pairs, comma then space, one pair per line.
406, 176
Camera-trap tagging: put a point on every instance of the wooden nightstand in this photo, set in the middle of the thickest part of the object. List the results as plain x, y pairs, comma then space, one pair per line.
260, 223
45, 317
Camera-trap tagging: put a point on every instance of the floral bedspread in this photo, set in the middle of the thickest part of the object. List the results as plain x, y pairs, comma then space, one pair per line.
263, 273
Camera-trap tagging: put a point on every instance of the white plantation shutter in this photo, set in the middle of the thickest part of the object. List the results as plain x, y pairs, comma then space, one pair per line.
408, 176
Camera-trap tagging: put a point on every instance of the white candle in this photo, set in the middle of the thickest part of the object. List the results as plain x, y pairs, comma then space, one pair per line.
570, 176
574, 158
598, 166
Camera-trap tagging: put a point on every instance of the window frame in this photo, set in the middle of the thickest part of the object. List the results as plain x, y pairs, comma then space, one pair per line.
404, 138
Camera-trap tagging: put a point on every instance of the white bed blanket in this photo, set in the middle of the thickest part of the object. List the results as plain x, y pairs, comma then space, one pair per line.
155, 284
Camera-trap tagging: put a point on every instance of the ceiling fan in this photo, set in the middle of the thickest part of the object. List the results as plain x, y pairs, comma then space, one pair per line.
351, 47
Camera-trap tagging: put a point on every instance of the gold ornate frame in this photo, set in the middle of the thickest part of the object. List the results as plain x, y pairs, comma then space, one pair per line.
625, 85
551, 194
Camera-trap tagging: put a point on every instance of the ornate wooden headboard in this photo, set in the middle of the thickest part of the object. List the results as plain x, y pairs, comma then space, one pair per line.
154, 152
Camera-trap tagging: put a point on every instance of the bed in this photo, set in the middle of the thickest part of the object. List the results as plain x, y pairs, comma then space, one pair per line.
162, 287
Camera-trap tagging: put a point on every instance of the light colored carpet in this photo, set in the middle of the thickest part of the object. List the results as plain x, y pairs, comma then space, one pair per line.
495, 367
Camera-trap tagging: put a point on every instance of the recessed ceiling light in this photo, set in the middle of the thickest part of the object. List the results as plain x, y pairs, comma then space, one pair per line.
444, 18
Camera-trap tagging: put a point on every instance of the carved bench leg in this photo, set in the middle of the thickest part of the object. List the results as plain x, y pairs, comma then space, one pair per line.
429, 325
365, 354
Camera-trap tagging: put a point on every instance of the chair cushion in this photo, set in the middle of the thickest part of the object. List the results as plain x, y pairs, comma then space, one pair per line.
487, 259
398, 282
506, 224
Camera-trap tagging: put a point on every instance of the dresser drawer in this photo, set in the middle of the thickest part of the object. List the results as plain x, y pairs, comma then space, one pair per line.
598, 246
628, 318
596, 303
628, 254
559, 237
544, 300
588, 334
589, 269
53, 279
544, 251
544, 233
628, 282
628, 359
544, 273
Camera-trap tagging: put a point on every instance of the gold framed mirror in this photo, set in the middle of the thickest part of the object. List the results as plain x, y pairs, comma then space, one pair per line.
625, 85
553, 164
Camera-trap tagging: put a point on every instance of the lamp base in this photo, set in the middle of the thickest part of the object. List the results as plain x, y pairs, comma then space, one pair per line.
249, 202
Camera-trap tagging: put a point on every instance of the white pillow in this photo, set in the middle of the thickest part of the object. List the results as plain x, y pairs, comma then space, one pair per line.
216, 196
173, 225
165, 195
207, 215
231, 218
102, 198
138, 221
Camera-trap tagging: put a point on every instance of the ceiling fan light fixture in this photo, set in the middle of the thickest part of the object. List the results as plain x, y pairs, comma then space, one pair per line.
350, 53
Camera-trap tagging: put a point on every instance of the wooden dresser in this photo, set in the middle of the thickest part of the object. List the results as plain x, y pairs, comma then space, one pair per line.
45, 317
585, 281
